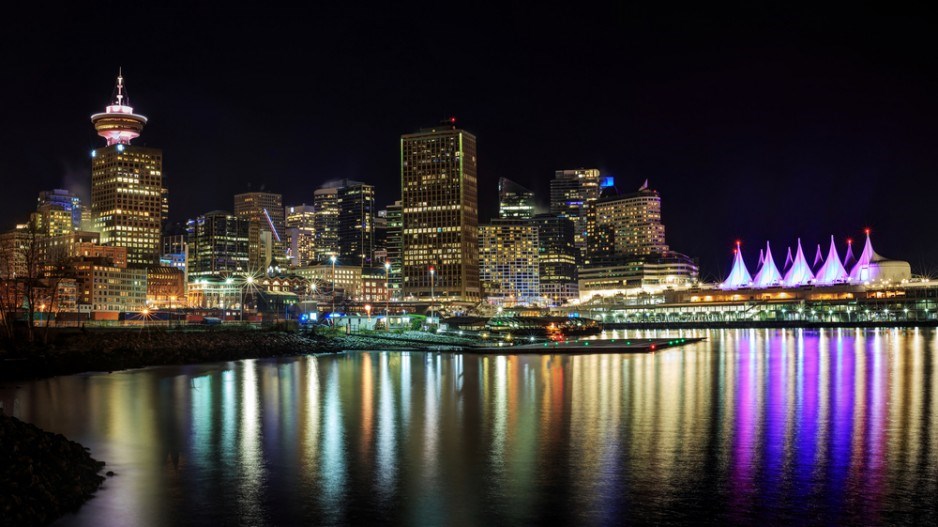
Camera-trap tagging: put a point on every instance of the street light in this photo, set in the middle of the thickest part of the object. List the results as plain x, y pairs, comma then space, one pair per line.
432, 295
247, 282
387, 294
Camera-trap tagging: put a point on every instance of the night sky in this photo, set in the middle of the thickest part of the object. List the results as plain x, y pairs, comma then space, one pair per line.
757, 124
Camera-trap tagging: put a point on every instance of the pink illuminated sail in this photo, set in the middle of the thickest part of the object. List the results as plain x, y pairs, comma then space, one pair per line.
800, 272
768, 274
861, 270
833, 270
788, 261
849, 259
739, 276
818, 258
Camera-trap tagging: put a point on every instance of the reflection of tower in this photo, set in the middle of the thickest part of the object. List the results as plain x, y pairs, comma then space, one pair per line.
128, 199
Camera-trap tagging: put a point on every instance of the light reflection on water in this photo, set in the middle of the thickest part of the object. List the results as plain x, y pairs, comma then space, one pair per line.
793, 426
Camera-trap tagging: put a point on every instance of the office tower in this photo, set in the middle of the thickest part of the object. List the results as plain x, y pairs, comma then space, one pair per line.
300, 222
508, 262
440, 214
128, 199
218, 244
356, 202
326, 222
58, 212
557, 258
264, 211
395, 223
571, 193
514, 201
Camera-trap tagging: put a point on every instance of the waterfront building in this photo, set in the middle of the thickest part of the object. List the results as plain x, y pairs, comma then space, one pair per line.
768, 274
342, 281
639, 274
439, 189
129, 201
14, 248
166, 287
106, 284
175, 253
300, 222
557, 258
514, 201
869, 268
572, 192
508, 256
218, 244
264, 212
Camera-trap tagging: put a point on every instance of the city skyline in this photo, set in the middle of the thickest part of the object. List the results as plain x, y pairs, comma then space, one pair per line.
842, 132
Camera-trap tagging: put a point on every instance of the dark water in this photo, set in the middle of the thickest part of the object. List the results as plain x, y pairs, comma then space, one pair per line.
751, 426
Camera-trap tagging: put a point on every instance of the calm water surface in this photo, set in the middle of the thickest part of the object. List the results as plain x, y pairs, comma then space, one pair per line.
750, 426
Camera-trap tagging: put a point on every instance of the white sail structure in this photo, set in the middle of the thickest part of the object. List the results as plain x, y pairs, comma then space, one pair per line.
833, 270
761, 260
788, 261
818, 258
849, 258
768, 274
871, 267
739, 275
800, 272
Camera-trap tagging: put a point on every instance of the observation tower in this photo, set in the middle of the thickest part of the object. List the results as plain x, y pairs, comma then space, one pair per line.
119, 124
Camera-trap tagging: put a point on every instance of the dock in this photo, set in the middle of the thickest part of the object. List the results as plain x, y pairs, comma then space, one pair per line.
586, 346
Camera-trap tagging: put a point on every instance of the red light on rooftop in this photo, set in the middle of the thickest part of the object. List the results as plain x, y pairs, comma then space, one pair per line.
452, 120
849, 241
867, 231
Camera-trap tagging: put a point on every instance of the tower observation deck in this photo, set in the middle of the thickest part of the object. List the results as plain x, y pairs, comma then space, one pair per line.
119, 124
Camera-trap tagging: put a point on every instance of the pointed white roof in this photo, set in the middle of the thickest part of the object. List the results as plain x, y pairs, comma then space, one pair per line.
818, 258
761, 260
849, 258
768, 274
833, 270
867, 257
789, 259
739, 275
800, 272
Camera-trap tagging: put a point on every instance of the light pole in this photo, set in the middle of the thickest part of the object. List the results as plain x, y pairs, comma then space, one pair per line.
248, 281
432, 295
387, 294
332, 258
228, 282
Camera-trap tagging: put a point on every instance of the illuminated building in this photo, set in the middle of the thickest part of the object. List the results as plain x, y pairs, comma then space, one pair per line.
106, 285
870, 268
326, 224
13, 248
264, 212
514, 201
440, 214
571, 194
175, 252
394, 248
128, 199
356, 224
557, 258
58, 212
218, 244
627, 248
508, 262
628, 225
300, 223
166, 287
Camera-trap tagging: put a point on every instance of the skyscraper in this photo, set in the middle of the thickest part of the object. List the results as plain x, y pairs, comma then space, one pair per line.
514, 201
264, 211
627, 225
571, 194
557, 258
128, 199
58, 212
300, 223
218, 244
395, 257
356, 201
440, 214
326, 222
508, 254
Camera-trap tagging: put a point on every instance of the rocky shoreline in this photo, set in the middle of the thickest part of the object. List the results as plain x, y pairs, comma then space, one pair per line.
42, 475
120, 349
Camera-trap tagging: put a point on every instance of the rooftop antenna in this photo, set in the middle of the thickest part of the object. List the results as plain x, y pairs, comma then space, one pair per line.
120, 86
